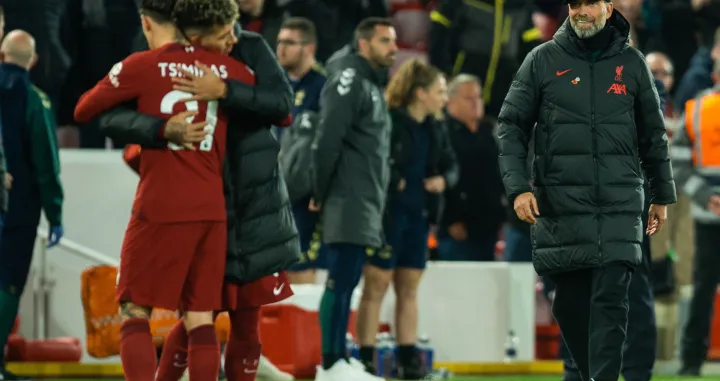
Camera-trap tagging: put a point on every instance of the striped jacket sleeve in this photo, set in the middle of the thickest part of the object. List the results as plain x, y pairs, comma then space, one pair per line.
686, 175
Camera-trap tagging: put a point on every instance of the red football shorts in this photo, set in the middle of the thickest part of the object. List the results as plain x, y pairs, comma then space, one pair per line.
177, 266
267, 290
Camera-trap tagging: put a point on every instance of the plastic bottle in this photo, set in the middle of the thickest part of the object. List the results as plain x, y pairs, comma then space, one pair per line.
385, 355
352, 348
394, 354
511, 347
426, 353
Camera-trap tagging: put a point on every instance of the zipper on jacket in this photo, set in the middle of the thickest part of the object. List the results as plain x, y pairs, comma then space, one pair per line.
594, 153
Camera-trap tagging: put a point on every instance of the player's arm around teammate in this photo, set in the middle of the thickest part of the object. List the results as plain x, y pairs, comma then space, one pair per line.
267, 102
423, 165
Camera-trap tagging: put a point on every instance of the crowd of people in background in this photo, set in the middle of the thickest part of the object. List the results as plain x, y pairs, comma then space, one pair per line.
78, 42
453, 63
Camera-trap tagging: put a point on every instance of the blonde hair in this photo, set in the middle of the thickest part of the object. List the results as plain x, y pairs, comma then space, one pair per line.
412, 75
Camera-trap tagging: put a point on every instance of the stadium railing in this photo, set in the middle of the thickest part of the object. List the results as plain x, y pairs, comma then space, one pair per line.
43, 292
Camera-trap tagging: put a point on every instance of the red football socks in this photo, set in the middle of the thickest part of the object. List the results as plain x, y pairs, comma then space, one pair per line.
174, 359
203, 353
137, 351
245, 358
242, 353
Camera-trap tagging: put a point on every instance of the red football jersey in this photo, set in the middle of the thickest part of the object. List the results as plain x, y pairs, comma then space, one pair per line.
176, 184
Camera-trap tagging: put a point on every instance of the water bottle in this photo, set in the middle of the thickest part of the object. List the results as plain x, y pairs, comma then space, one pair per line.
511, 347
351, 347
394, 353
385, 356
426, 353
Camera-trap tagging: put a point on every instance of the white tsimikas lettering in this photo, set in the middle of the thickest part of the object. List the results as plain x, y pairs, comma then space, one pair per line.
174, 69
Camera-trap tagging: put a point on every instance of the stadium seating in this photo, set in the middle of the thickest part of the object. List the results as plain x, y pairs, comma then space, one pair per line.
406, 54
63, 349
411, 22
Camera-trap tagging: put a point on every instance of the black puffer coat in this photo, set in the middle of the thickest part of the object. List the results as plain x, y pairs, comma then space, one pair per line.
599, 125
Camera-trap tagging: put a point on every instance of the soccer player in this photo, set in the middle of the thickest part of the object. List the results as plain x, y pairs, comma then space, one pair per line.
173, 255
243, 345
242, 353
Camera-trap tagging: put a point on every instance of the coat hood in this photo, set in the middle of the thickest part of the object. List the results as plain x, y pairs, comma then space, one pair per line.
619, 40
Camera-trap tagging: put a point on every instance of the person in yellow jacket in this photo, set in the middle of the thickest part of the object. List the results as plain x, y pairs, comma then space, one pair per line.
695, 153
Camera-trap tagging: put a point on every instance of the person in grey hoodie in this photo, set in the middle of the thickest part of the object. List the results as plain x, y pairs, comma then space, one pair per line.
351, 173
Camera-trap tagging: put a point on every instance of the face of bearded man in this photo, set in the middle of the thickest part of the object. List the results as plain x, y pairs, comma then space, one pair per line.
588, 17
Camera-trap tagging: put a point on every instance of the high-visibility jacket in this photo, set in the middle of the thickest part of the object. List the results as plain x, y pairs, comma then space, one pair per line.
695, 153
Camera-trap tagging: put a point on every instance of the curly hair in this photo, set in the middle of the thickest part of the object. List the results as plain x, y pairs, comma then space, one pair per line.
158, 10
412, 75
204, 15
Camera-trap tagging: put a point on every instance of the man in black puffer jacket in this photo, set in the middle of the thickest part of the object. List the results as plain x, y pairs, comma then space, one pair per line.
599, 125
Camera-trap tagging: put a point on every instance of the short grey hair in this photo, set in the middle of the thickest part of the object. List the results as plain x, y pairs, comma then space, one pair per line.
460, 80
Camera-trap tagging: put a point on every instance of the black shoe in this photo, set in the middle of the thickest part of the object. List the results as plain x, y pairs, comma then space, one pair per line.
6, 375
412, 370
690, 371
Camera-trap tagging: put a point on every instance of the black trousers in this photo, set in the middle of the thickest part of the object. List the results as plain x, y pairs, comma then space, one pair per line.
640, 344
706, 274
591, 308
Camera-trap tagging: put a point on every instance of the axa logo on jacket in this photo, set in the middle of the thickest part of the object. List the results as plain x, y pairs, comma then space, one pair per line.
617, 89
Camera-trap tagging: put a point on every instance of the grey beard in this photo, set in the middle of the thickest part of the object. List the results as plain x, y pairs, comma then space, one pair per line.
587, 33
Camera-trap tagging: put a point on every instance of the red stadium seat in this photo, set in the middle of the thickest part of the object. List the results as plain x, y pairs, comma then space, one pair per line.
714, 350
290, 336
406, 54
15, 348
547, 342
61, 349
412, 27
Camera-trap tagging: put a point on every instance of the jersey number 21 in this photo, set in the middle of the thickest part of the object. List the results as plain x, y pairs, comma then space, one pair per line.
175, 96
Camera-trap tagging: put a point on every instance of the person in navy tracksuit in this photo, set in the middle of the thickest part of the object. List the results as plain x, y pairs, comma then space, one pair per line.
28, 133
296, 47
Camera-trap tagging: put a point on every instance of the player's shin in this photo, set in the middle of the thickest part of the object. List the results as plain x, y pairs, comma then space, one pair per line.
376, 284
343, 276
242, 354
203, 348
137, 352
243, 359
174, 359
